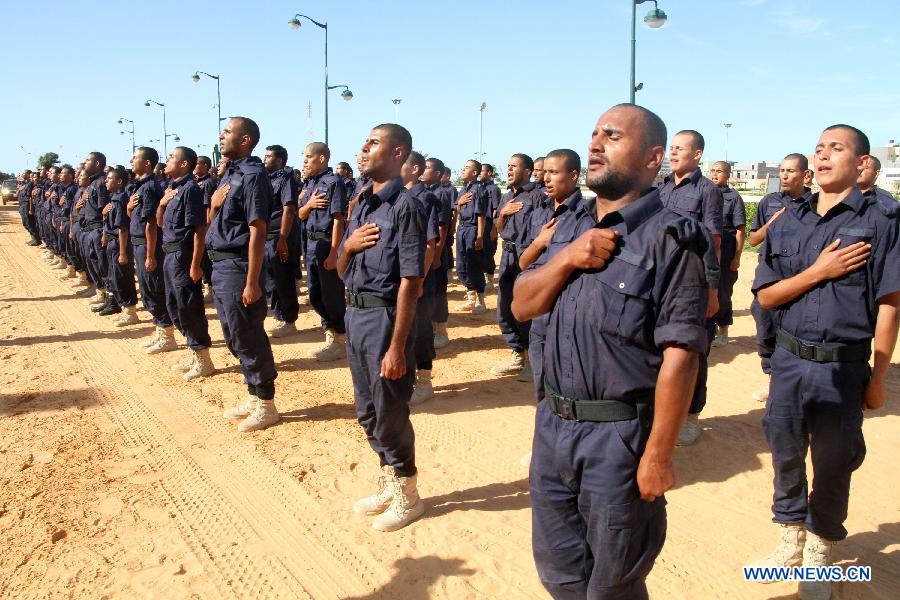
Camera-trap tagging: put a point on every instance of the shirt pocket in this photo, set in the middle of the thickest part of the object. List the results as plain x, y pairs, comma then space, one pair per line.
621, 297
848, 237
785, 253
382, 253
688, 204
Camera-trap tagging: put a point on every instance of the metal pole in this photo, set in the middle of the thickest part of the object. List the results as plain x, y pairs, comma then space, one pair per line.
326, 83
633, 20
481, 135
727, 127
219, 104
165, 137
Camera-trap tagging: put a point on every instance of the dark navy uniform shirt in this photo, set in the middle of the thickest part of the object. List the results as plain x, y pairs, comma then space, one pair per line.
67, 193
329, 184
118, 215
545, 211
284, 191
400, 250
249, 199
185, 212
445, 212
841, 310
349, 187
696, 197
431, 208
607, 329
208, 186
733, 215
493, 193
479, 205
451, 192
517, 227
113, 219
149, 195
97, 198
360, 185
772, 203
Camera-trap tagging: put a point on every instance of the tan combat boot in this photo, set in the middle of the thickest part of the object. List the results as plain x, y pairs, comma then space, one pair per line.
513, 367
186, 363
479, 308
405, 507
378, 502
469, 304
165, 343
441, 340
242, 410
201, 367
788, 553
264, 415
128, 317
816, 553
423, 390
334, 347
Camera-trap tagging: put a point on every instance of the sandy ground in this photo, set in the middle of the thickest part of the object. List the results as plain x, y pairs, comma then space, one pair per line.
119, 480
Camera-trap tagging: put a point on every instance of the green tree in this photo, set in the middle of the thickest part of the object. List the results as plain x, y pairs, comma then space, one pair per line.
48, 160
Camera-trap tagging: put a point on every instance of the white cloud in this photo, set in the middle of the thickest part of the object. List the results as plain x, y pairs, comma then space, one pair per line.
791, 19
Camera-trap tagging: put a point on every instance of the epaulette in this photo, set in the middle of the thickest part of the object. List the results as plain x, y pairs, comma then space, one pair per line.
686, 231
887, 204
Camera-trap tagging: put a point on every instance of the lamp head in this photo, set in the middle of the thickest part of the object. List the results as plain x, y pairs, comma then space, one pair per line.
347, 95
294, 23
176, 138
655, 18
147, 103
119, 121
483, 106
195, 77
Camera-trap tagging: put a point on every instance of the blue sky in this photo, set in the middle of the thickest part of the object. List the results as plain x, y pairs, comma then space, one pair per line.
778, 70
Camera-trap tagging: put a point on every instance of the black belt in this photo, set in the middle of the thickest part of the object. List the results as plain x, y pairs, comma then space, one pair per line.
509, 246
602, 411
822, 352
216, 256
173, 247
91, 227
272, 236
467, 223
318, 234
137, 240
366, 300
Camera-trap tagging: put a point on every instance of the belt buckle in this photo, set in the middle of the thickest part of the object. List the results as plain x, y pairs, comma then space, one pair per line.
352, 299
565, 408
807, 351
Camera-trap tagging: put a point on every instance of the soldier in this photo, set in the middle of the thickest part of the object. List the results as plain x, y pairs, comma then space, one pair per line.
208, 185
282, 243
829, 271
794, 191
434, 172
323, 206
183, 219
67, 189
513, 223
539, 172
382, 261
687, 192
417, 177
92, 201
148, 253
472, 209
119, 253
236, 239
733, 221
345, 172
450, 190
868, 178
620, 360
486, 177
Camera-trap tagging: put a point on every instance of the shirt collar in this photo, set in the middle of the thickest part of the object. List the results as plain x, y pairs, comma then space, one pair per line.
855, 201
326, 171
635, 213
417, 188
94, 177
692, 178
177, 183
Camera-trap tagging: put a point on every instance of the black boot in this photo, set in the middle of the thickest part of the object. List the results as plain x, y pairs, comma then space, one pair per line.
112, 308
106, 304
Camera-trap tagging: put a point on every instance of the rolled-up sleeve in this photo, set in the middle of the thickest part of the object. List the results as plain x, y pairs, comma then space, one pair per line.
411, 231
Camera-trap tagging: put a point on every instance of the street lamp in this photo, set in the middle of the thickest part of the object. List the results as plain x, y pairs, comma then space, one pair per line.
727, 127
196, 78
165, 137
346, 94
481, 131
122, 121
397, 102
654, 19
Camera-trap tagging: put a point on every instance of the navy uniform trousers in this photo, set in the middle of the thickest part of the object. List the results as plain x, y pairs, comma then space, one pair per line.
326, 289
469, 261
184, 298
242, 326
120, 282
766, 328
818, 407
727, 279
441, 280
490, 250
423, 326
95, 258
605, 534
382, 405
515, 333
537, 333
152, 284
281, 282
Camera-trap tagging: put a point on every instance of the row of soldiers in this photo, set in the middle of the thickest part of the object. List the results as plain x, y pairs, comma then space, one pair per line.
608, 304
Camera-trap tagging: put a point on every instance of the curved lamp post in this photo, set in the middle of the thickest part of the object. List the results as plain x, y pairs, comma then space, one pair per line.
654, 19
122, 121
165, 137
196, 78
295, 23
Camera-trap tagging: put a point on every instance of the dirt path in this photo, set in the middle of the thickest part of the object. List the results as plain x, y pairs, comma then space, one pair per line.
121, 480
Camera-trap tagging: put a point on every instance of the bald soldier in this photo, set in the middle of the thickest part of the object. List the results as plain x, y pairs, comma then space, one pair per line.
626, 294
733, 231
